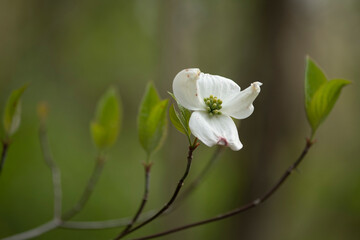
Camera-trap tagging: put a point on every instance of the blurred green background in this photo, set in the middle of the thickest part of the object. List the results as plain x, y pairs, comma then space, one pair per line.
71, 51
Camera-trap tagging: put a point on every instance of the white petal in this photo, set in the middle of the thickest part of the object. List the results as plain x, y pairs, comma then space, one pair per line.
220, 87
241, 106
185, 87
212, 130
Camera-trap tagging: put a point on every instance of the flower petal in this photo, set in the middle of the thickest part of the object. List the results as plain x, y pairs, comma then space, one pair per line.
212, 130
185, 87
241, 106
220, 87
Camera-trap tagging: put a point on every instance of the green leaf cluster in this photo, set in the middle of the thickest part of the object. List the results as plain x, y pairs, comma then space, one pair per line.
320, 94
12, 115
180, 119
105, 128
152, 120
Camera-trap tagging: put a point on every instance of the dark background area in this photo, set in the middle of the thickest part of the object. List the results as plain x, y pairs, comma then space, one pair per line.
72, 51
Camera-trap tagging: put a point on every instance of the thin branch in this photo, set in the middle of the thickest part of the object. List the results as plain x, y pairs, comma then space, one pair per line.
57, 222
35, 231
192, 186
172, 199
55, 171
88, 189
245, 207
5, 148
113, 223
147, 168
120, 222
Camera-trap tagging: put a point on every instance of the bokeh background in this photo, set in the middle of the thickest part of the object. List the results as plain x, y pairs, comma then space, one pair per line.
72, 51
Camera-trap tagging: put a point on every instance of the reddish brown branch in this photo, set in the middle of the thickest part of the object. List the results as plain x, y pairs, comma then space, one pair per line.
245, 207
172, 199
147, 167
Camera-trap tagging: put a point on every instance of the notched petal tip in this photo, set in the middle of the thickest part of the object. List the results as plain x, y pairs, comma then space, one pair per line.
235, 145
242, 105
256, 86
222, 141
191, 73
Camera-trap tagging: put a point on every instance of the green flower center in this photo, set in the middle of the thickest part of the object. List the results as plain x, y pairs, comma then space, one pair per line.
213, 105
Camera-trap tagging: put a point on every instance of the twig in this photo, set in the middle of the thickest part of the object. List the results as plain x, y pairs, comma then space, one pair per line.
35, 231
114, 223
57, 222
88, 189
5, 147
119, 222
147, 167
245, 207
106, 224
176, 192
192, 186
55, 171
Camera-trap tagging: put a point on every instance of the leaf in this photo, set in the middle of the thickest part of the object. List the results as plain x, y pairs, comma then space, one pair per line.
105, 128
323, 101
183, 117
314, 79
12, 115
152, 121
175, 119
320, 94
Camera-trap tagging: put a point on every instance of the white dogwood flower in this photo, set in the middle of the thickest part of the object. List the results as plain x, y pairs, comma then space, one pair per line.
214, 100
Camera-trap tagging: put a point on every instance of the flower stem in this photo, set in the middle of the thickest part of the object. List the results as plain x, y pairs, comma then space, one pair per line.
192, 186
176, 192
245, 207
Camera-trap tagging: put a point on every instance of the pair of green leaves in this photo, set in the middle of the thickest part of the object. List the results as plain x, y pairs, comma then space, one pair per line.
12, 114
105, 128
152, 120
320, 94
180, 119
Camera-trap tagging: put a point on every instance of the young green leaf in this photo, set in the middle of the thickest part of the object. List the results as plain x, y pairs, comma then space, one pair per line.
323, 101
183, 116
12, 115
314, 78
152, 121
175, 119
105, 128
320, 94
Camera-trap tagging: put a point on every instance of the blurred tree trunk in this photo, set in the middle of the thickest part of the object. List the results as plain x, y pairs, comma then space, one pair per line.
271, 122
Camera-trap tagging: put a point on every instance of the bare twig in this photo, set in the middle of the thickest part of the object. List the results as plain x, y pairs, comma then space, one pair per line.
147, 167
106, 224
5, 148
245, 207
46, 227
57, 220
55, 171
172, 199
119, 222
88, 189
192, 186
